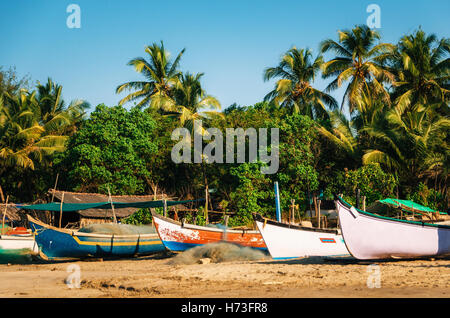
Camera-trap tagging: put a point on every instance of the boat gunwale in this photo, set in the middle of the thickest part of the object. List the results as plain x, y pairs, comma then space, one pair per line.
203, 228
259, 218
97, 235
29, 237
347, 205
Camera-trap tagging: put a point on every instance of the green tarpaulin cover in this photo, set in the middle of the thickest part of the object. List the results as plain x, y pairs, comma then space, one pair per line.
71, 207
407, 205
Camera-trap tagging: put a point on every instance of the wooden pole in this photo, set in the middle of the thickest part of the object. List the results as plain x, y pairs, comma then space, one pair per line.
293, 210
309, 195
357, 198
61, 210
226, 220
54, 188
206, 204
112, 206
165, 207
1, 194
4, 214
52, 221
318, 209
364, 203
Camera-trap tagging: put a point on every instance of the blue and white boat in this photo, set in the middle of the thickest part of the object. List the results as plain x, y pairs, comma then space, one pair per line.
54, 243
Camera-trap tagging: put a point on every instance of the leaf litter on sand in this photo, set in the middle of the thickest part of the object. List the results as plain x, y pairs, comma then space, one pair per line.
218, 252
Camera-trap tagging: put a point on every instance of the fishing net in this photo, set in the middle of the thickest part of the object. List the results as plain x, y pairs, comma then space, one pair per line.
118, 229
218, 252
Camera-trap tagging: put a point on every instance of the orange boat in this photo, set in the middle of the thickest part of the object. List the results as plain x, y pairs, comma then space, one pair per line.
178, 237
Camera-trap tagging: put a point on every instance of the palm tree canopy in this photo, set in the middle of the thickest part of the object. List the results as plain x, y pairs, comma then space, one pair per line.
296, 70
160, 72
422, 65
359, 61
189, 101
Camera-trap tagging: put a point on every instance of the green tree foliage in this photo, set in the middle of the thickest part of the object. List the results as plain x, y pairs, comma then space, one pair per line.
110, 149
34, 126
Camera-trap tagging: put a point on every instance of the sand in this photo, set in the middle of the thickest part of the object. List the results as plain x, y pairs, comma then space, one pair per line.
158, 277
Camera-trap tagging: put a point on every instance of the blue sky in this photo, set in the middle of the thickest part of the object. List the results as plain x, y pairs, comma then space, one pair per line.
232, 42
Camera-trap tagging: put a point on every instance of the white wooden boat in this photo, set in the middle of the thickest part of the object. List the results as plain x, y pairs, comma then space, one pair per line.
18, 242
286, 241
371, 236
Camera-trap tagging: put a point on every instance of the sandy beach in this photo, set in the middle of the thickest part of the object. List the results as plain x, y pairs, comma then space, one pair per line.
158, 276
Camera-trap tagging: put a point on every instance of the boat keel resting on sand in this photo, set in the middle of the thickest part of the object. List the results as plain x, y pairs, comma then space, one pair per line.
63, 243
286, 241
370, 236
179, 237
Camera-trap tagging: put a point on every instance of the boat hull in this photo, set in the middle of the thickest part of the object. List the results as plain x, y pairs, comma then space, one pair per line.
369, 236
18, 242
178, 237
58, 243
286, 241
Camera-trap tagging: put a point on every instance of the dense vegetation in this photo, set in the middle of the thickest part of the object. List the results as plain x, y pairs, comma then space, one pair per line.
388, 136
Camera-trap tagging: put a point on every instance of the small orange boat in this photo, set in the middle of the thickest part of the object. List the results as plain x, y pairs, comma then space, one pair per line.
178, 237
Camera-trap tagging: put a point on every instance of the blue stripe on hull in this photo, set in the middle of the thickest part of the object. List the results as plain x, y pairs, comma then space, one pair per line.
180, 246
55, 244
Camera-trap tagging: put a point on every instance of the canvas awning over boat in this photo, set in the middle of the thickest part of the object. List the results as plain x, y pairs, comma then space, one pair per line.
406, 205
72, 207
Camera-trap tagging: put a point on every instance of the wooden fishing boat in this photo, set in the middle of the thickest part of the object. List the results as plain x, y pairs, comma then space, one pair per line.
56, 243
178, 237
286, 241
371, 236
18, 242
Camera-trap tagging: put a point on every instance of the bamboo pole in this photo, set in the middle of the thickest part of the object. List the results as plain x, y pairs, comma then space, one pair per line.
4, 214
61, 210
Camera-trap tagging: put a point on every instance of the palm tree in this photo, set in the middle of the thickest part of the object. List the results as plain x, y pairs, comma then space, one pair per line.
421, 64
189, 101
411, 144
343, 134
52, 112
296, 71
23, 140
160, 72
359, 61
